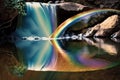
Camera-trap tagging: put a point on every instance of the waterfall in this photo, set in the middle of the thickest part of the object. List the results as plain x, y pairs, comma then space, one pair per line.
39, 21
46, 55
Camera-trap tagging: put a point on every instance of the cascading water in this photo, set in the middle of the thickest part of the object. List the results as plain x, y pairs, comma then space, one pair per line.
39, 21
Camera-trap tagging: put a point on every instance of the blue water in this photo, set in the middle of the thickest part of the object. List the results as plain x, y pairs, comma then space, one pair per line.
40, 21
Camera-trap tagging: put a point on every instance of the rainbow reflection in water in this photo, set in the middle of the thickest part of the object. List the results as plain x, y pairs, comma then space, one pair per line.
41, 55
82, 56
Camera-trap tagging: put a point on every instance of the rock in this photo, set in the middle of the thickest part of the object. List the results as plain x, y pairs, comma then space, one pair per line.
70, 6
107, 26
103, 29
116, 34
7, 15
114, 4
117, 40
91, 31
69, 9
9, 59
7, 52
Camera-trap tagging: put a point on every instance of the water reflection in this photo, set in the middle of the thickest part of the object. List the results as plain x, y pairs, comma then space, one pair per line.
72, 55
9, 59
37, 54
82, 55
91, 53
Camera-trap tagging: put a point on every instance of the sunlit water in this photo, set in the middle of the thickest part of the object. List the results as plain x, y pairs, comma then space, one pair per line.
46, 47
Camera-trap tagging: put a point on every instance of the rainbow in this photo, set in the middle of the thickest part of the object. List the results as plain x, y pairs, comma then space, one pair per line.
66, 24
75, 18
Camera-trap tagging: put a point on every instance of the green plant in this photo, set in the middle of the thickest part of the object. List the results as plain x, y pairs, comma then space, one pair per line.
18, 5
18, 70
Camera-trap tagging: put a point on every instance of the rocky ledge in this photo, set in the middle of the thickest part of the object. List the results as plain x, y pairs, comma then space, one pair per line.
105, 28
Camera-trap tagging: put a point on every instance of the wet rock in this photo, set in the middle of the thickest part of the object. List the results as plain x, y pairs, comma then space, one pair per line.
117, 40
116, 34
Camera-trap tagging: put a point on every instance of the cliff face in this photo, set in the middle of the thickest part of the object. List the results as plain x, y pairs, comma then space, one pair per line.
7, 15
115, 4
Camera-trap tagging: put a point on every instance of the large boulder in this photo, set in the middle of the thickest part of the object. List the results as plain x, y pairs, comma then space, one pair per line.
103, 29
107, 26
68, 9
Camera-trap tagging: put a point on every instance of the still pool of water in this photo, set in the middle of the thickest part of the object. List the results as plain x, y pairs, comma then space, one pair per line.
88, 58
72, 56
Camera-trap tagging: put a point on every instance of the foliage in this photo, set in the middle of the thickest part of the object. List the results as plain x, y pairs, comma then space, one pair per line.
18, 70
18, 5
